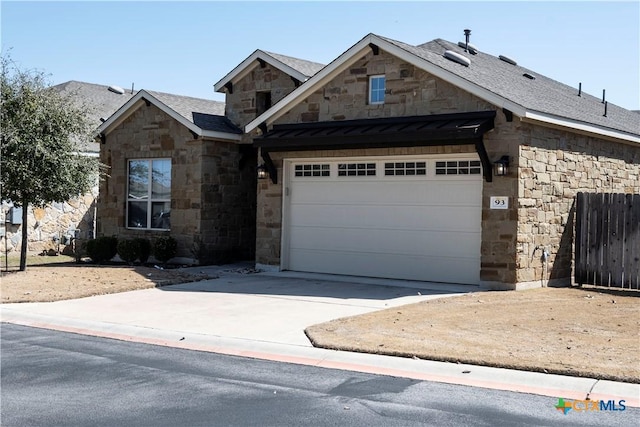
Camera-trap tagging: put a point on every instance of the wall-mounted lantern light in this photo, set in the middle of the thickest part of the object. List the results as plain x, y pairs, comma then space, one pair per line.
262, 172
501, 167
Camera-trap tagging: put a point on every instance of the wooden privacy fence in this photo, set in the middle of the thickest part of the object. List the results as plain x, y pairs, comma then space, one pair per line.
607, 242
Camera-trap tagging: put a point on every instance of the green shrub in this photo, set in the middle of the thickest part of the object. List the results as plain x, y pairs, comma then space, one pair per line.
102, 248
165, 248
144, 249
128, 250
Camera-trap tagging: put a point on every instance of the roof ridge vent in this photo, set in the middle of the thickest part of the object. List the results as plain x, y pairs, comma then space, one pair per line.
471, 48
116, 89
507, 60
456, 57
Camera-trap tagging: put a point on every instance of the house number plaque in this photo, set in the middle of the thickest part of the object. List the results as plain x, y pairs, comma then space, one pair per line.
499, 202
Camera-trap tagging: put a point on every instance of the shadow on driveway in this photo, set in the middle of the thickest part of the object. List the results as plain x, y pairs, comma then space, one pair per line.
295, 284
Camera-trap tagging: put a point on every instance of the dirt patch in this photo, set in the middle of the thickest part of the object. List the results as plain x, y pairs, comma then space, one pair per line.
573, 331
62, 281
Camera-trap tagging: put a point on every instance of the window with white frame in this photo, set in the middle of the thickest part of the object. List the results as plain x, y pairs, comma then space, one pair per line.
356, 169
405, 168
149, 194
376, 89
316, 170
458, 167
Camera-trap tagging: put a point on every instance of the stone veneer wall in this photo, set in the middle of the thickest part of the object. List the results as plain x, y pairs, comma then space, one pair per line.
409, 91
212, 199
500, 227
554, 166
54, 221
547, 168
228, 204
240, 105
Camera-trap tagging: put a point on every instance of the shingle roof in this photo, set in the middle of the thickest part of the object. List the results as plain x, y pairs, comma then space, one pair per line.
203, 117
541, 94
299, 69
204, 113
101, 101
540, 100
97, 100
308, 68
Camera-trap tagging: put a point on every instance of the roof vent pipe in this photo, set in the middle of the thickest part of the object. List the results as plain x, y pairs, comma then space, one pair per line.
605, 108
467, 33
580, 89
603, 92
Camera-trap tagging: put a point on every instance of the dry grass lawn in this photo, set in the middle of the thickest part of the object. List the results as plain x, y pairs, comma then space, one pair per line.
572, 331
58, 278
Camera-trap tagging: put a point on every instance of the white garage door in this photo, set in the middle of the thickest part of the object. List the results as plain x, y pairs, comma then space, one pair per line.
415, 218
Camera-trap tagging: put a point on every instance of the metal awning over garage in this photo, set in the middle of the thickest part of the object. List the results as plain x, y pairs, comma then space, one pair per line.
438, 129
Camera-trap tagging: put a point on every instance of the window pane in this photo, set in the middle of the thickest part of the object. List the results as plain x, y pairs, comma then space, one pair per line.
161, 215
376, 89
137, 214
161, 188
138, 179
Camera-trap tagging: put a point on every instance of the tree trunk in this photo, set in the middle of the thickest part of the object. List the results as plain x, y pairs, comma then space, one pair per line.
23, 247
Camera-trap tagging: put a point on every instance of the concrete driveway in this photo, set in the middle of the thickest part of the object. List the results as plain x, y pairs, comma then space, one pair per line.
267, 307
263, 315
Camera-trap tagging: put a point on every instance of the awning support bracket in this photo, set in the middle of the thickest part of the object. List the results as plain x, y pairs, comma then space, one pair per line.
271, 167
484, 159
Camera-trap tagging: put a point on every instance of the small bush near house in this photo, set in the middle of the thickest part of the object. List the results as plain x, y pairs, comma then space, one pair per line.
129, 250
102, 248
165, 248
144, 249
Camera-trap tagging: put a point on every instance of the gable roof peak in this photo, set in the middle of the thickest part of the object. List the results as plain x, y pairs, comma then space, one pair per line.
204, 117
299, 69
502, 83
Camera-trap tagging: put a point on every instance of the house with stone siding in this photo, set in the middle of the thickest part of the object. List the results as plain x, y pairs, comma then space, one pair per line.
437, 162
182, 167
176, 168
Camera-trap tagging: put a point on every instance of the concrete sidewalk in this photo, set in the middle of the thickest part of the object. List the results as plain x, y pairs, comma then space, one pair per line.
263, 315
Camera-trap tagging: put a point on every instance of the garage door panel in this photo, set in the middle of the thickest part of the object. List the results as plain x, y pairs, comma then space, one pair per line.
429, 193
441, 218
435, 269
384, 241
415, 228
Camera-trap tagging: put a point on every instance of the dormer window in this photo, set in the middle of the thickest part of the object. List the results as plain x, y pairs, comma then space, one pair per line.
376, 89
263, 102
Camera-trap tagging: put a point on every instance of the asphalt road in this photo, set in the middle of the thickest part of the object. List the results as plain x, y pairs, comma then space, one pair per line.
51, 378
